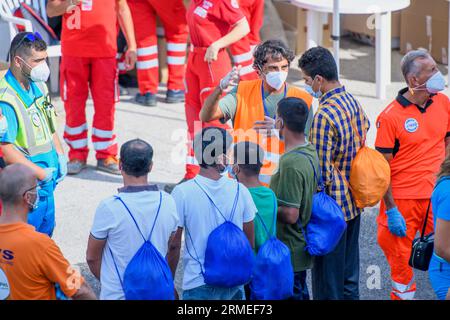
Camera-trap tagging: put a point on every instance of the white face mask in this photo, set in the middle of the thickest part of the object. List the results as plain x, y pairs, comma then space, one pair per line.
276, 79
39, 73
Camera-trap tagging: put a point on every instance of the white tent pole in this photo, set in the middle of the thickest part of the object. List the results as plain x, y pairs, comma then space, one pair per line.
335, 34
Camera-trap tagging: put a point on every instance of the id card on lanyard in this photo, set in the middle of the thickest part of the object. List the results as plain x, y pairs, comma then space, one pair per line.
86, 5
266, 111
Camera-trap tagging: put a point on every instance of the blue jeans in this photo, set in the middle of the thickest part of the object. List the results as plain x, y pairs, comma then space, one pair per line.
439, 273
43, 218
207, 292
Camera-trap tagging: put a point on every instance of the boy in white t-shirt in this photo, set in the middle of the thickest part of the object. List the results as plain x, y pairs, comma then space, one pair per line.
199, 217
115, 233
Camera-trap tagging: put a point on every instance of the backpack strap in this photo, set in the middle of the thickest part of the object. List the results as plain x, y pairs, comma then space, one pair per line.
117, 269
236, 198
157, 214
320, 182
131, 215
233, 209
196, 259
275, 213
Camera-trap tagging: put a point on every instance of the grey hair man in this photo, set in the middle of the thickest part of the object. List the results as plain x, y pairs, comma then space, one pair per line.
413, 132
30, 262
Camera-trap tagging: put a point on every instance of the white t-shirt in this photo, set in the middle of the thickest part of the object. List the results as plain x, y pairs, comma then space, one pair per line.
113, 223
200, 218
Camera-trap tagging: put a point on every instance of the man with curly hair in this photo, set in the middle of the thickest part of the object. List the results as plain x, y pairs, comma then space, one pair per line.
252, 105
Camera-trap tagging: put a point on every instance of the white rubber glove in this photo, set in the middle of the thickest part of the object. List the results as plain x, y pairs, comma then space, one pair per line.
231, 80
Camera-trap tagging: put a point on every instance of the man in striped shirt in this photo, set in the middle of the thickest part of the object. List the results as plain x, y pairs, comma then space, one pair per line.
336, 275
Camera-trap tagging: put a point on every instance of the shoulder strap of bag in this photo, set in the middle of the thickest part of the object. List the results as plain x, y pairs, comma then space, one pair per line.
319, 180
355, 129
422, 235
275, 213
214, 204
117, 269
134, 220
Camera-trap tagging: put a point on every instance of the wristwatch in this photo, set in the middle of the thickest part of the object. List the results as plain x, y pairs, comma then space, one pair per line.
71, 6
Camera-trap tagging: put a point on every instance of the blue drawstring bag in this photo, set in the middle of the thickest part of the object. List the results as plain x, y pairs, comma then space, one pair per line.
147, 276
327, 223
273, 275
229, 256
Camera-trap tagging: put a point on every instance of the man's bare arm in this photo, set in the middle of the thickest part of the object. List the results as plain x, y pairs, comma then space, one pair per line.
57, 8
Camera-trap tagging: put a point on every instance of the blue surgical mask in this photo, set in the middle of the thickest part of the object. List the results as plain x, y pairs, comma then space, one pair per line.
434, 84
310, 90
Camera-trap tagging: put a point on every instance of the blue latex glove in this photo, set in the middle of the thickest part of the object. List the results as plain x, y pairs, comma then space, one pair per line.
62, 168
3, 126
396, 222
48, 175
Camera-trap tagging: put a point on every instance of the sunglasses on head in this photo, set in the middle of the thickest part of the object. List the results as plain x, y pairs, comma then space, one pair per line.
31, 37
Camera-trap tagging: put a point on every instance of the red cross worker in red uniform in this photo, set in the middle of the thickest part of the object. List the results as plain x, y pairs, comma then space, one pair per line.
213, 25
89, 49
172, 14
242, 50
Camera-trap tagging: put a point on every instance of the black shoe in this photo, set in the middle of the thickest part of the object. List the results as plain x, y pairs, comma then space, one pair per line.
148, 99
174, 96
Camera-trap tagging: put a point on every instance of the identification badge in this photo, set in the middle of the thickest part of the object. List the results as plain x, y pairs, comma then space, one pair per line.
201, 12
411, 125
36, 120
86, 5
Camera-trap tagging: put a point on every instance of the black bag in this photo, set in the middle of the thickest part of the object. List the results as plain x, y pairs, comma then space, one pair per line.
422, 248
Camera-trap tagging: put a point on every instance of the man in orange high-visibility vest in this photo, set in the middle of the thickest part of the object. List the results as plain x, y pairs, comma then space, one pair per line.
251, 105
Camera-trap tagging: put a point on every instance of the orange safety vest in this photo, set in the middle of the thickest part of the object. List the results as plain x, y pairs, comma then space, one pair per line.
250, 109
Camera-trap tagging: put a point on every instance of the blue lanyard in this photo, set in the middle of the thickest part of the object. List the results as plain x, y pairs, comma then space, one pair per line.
266, 111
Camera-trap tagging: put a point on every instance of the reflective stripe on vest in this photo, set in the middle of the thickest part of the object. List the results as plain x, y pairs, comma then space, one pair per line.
26, 141
249, 110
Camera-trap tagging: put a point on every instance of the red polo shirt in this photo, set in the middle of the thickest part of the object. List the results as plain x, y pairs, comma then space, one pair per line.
416, 138
210, 20
90, 31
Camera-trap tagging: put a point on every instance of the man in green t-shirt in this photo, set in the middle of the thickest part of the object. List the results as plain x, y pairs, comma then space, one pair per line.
294, 184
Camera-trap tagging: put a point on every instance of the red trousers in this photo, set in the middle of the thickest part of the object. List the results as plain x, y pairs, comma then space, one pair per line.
398, 249
172, 14
201, 79
78, 75
242, 51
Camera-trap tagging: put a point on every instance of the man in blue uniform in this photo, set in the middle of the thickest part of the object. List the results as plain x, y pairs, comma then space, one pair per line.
30, 137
